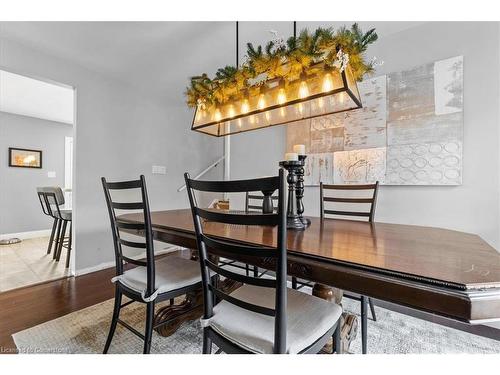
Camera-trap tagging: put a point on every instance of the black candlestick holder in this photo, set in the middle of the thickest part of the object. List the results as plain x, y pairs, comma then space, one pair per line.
293, 219
300, 191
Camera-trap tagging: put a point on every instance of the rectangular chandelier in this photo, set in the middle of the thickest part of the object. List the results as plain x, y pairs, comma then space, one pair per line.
319, 91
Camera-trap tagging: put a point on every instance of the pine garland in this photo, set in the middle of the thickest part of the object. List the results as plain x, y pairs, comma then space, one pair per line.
286, 61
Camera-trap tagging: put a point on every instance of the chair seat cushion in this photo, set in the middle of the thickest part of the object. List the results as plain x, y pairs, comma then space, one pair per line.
171, 273
66, 214
308, 319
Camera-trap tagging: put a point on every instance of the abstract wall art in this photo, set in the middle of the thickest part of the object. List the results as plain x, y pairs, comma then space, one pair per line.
409, 131
25, 158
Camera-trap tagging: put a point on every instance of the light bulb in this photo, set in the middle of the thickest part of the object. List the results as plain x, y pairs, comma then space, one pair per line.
327, 83
268, 116
239, 123
231, 111
341, 98
320, 103
251, 119
281, 96
282, 112
301, 108
217, 115
198, 115
303, 90
261, 104
245, 106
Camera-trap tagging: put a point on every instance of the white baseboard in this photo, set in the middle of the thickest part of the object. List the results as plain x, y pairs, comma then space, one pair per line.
26, 235
111, 264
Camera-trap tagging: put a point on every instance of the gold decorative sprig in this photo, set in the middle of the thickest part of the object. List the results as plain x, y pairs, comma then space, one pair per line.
287, 62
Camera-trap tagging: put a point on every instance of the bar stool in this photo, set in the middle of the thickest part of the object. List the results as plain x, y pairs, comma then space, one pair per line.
54, 195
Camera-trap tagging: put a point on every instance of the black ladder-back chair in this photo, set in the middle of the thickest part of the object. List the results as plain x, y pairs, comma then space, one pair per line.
371, 201
150, 290
217, 320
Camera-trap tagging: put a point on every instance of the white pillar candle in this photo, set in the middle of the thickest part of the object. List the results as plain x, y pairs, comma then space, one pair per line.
291, 156
299, 149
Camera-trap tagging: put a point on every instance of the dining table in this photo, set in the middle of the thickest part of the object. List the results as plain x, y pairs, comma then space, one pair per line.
440, 271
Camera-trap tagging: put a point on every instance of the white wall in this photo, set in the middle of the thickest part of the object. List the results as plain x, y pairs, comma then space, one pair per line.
471, 207
120, 133
19, 204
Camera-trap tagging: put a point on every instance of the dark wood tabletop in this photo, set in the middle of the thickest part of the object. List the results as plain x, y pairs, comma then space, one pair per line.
442, 263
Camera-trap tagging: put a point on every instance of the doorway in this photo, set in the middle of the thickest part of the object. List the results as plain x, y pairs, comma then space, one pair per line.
37, 121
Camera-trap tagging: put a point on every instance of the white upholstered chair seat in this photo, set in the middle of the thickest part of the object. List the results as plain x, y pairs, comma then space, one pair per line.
171, 273
308, 318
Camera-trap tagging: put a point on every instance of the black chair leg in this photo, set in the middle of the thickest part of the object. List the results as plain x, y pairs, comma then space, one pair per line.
255, 271
114, 320
207, 342
54, 226
364, 323
294, 282
148, 334
57, 239
372, 309
70, 240
61, 240
337, 339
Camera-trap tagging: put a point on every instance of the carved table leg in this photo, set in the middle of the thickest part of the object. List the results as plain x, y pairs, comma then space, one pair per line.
171, 317
349, 322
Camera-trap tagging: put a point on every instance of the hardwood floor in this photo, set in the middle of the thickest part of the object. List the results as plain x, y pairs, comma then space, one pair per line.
26, 307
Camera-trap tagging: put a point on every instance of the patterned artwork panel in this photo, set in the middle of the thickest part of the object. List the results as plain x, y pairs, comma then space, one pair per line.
366, 127
327, 140
425, 164
409, 131
424, 130
359, 166
319, 167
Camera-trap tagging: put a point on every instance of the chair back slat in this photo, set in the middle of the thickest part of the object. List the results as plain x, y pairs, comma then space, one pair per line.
229, 217
124, 185
236, 186
240, 303
350, 187
129, 226
254, 251
137, 262
210, 248
252, 207
348, 200
347, 213
127, 205
136, 245
120, 228
257, 281
369, 211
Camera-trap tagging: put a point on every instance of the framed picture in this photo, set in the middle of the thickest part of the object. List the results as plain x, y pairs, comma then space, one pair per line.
25, 158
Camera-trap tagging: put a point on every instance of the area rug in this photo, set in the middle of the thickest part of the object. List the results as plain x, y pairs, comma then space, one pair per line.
85, 331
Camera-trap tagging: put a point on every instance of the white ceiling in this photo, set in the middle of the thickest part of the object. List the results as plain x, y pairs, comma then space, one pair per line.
159, 56
31, 97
